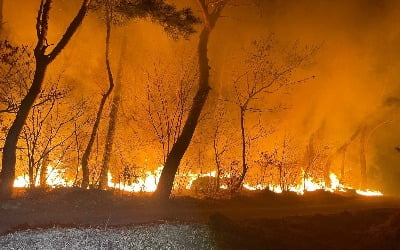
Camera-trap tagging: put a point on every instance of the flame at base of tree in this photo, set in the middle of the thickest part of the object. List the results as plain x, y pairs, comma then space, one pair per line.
56, 178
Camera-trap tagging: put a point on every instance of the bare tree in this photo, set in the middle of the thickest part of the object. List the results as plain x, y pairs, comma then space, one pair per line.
211, 11
48, 131
175, 23
223, 140
364, 131
43, 59
167, 102
112, 123
88, 150
264, 74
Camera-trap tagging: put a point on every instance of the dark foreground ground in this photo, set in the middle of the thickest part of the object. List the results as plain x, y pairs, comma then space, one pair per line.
261, 220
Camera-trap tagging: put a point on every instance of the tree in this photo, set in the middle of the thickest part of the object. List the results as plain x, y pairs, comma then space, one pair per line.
43, 60
48, 132
265, 73
364, 131
112, 124
176, 23
211, 11
224, 139
166, 103
88, 150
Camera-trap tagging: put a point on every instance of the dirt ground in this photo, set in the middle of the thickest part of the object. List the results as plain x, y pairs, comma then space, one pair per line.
257, 220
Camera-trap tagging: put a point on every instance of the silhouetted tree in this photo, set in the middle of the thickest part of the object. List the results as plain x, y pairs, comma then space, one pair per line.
265, 73
211, 11
85, 157
112, 121
43, 59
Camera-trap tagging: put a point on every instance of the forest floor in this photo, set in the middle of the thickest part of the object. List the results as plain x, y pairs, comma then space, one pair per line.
254, 220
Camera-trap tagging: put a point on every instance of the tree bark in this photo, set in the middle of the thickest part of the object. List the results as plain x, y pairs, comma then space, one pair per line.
86, 154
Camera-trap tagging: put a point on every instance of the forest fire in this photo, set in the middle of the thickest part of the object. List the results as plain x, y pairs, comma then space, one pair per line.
121, 112
149, 183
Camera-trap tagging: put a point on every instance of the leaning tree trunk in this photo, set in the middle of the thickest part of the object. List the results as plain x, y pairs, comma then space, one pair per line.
179, 148
174, 158
88, 150
7, 174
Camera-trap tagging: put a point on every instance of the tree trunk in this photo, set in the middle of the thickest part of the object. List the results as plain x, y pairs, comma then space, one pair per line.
7, 174
43, 171
244, 157
31, 172
179, 148
111, 131
86, 154
217, 164
363, 160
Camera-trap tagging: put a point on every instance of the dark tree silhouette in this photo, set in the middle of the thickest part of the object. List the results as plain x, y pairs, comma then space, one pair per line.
43, 59
112, 124
88, 150
211, 12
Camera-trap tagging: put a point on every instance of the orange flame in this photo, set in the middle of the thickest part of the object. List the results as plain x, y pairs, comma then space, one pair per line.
55, 177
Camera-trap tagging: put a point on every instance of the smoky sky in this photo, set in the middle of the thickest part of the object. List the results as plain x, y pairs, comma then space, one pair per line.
356, 67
